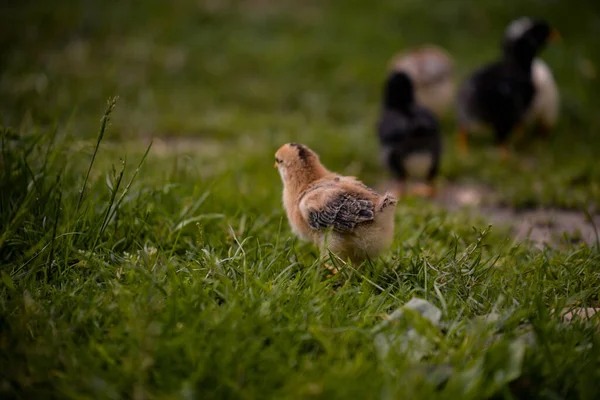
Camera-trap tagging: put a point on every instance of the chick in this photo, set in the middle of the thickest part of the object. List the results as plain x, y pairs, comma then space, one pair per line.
546, 101
431, 70
409, 135
336, 213
545, 106
499, 94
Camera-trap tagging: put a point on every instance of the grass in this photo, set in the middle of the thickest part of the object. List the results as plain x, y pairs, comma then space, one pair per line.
134, 271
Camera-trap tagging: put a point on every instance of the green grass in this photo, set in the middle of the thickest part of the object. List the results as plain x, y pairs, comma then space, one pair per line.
131, 271
248, 68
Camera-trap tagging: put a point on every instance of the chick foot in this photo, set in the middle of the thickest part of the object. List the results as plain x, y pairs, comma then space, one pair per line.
334, 271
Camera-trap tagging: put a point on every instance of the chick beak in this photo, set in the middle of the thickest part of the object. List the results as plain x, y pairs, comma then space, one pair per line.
555, 36
275, 165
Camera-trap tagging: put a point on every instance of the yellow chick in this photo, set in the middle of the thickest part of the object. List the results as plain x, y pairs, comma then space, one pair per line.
336, 213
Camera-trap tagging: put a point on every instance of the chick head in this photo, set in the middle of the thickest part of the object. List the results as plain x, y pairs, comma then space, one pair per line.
294, 159
399, 91
525, 37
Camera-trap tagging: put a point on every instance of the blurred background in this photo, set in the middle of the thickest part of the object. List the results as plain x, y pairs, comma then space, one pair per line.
310, 71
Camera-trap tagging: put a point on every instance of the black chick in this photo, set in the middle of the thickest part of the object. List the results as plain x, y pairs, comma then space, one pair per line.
499, 94
409, 135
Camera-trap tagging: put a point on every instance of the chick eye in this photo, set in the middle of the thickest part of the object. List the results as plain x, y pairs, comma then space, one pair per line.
277, 160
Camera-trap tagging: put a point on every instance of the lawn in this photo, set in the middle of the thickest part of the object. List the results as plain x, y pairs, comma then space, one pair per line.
144, 251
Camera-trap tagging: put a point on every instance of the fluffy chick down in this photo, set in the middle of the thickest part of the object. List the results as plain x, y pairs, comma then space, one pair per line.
336, 213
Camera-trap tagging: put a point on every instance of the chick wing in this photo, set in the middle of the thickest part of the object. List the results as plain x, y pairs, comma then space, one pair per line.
330, 206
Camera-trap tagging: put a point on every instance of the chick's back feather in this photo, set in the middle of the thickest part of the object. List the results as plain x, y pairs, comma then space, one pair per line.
396, 127
496, 94
333, 205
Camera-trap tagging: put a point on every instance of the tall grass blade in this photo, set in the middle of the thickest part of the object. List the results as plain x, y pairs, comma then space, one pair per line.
105, 119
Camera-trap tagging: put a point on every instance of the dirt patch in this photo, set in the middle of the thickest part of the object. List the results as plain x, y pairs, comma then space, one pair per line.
546, 226
587, 313
540, 226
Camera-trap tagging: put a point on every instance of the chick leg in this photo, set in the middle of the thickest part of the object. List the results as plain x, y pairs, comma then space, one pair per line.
328, 260
502, 136
331, 269
428, 190
463, 141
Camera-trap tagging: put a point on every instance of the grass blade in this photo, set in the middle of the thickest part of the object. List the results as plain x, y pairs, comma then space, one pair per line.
105, 119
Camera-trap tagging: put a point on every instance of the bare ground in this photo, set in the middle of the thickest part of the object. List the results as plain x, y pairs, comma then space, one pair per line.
543, 226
